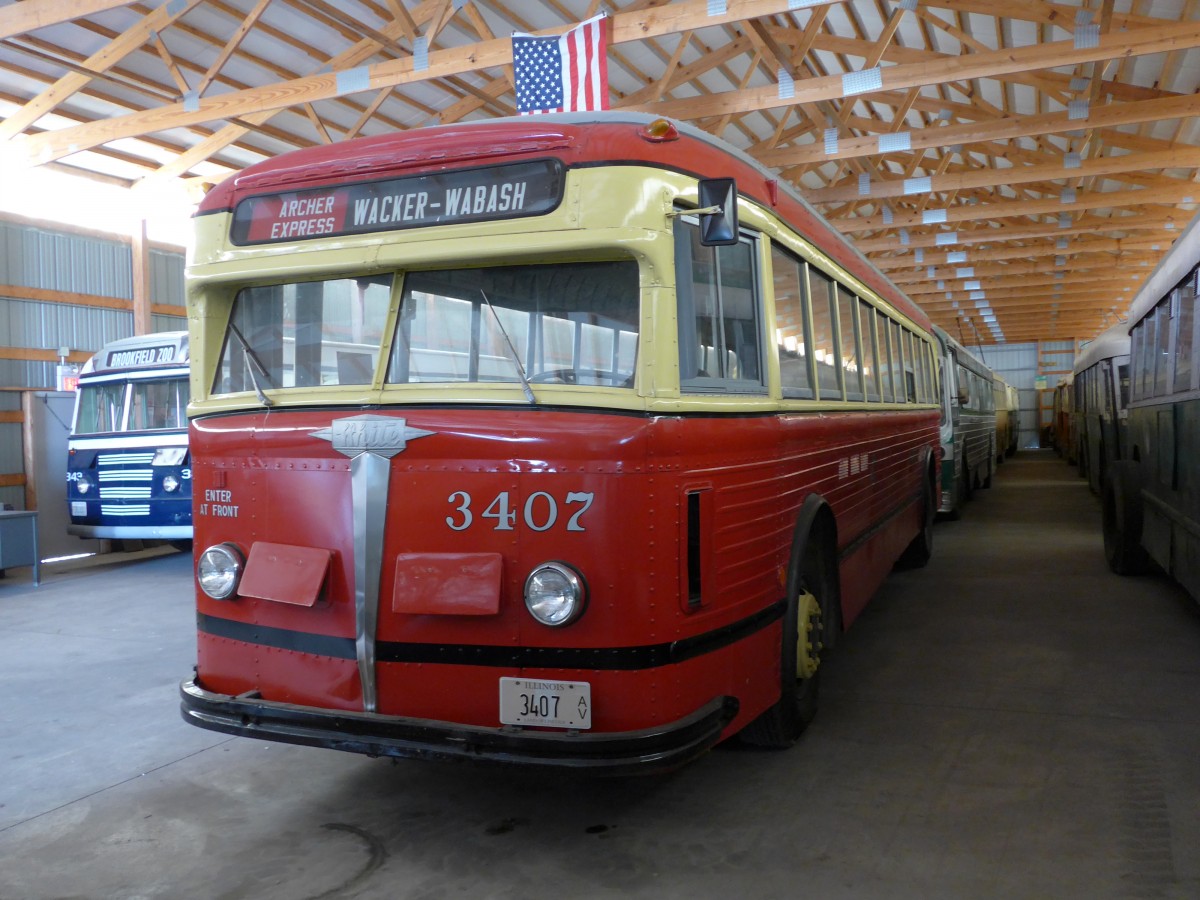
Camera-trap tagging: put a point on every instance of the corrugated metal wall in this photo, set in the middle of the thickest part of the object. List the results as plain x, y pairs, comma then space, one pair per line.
1017, 364
40, 257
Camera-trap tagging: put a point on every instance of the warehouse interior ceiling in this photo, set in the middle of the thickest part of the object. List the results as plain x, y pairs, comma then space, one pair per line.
1018, 167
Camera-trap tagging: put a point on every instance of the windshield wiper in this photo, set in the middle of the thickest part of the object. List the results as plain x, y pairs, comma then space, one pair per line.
512, 351
255, 363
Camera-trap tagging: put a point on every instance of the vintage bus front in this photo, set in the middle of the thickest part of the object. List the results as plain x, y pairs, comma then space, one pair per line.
453, 495
435, 513
128, 471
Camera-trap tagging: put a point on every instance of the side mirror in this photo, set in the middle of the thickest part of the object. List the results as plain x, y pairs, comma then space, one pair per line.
718, 212
964, 396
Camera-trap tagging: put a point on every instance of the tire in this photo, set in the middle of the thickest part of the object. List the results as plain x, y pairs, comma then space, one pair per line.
919, 551
812, 601
1122, 520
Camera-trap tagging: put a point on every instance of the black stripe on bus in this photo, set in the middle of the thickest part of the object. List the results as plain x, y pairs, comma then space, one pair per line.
646, 656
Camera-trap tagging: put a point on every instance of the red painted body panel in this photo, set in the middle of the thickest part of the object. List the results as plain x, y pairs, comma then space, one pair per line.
277, 482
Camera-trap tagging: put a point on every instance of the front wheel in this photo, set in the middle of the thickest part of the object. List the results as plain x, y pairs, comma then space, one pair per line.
809, 626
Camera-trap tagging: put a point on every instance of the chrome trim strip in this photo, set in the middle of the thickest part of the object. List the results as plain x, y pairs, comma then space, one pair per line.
370, 441
369, 477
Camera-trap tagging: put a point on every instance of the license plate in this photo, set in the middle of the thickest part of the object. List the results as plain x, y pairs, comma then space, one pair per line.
556, 704
78, 508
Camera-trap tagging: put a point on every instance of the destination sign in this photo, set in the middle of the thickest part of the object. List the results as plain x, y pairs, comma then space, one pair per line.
133, 357
440, 198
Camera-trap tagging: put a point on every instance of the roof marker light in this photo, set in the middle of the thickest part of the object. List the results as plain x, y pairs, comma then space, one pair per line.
659, 131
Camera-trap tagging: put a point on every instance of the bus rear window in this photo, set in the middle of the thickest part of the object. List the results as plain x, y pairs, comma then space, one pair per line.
573, 323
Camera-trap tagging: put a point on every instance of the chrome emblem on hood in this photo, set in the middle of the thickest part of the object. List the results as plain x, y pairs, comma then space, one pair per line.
382, 435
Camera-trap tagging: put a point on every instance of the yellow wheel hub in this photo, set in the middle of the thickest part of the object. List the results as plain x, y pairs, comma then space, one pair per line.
808, 643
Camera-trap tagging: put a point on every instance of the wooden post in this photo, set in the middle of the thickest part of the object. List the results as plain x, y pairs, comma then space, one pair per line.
140, 248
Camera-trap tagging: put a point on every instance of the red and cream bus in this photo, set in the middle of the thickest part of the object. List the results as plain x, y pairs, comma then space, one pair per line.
571, 441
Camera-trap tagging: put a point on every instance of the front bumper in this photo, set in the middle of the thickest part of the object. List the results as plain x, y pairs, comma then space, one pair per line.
130, 532
615, 753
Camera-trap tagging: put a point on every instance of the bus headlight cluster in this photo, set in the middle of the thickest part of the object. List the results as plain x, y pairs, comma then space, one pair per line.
83, 485
170, 484
169, 456
555, 594
219, 570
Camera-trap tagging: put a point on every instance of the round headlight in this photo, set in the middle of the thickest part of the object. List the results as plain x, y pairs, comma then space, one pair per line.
219, 570
555, 594
170, 483
83, 485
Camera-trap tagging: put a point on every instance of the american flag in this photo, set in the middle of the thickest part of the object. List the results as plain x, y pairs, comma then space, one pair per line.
568, 73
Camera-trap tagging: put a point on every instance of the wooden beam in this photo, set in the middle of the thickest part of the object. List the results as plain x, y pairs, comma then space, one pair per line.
35, 355
1186, 192
1112, 249
1157, 222
992, 64
100, 61
992, 286
1109, 116
402, 26
42, 295
638, 25
1179, 158
21, 18
140, 263
231, 45
1032, 264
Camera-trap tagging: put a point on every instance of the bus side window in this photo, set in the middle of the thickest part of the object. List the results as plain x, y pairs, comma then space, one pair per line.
847, 306
719, 314
910, 365
1143, 357
1162, 359
870, 348
897, 360
929, 388
795, 362
829, 367
886, 350
1185, 339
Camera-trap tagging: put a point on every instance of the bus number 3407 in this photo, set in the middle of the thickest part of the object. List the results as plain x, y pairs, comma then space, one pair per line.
540, 513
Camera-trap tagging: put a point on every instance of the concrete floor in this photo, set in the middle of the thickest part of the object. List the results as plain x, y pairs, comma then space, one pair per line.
1012, 722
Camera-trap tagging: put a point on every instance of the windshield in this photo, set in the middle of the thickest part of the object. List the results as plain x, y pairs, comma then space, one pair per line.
559, 324
307, 334
101, 408
574, 323
157, 405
